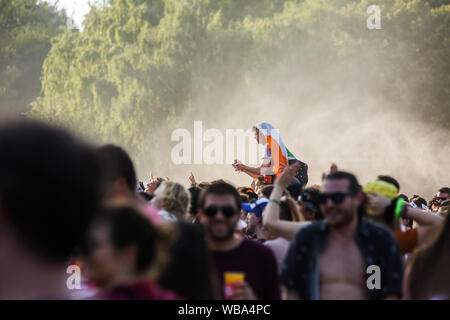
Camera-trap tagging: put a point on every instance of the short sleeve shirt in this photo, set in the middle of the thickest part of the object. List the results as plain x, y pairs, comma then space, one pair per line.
258, 264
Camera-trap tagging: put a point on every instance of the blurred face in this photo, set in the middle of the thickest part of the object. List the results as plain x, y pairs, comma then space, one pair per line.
258, 188
260, 138
157, 201
340, 208
102, 263
219, 215
435, 207
442, 197
252, 222
243, 215
307, 213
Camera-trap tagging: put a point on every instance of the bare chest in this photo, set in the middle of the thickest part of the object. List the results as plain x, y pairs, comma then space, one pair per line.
342, 271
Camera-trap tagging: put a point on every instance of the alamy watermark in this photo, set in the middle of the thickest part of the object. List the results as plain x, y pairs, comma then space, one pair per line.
374, 280
74, 280
213, 146
374, 19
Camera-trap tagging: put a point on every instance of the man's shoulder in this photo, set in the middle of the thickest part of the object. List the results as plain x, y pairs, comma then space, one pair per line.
311, 229
253, 245
256, 248
375, 228
377, 231
280, 241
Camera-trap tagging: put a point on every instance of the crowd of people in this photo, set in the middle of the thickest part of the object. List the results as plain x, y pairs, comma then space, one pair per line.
64, 202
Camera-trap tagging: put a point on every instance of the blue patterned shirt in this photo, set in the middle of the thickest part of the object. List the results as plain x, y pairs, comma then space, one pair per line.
300, 270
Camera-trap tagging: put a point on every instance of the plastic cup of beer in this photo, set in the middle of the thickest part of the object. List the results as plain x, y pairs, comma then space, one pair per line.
231, 278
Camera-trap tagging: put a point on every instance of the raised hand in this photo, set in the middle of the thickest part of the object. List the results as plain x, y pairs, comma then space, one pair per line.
238, 166
192, 179
287, 175
333, 168
376, 204
150, 178
243, 291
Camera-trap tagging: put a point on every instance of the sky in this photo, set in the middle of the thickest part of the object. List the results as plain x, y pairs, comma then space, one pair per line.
74, 8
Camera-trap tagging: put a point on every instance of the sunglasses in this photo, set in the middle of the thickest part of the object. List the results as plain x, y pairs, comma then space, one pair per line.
441, 198
336, 198
304, 197
227, 211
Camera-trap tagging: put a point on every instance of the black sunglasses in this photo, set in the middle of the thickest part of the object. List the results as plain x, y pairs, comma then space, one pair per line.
304, 197
227, 211
336, 197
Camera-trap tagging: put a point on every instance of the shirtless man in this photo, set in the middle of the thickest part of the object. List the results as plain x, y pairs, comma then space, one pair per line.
329, 259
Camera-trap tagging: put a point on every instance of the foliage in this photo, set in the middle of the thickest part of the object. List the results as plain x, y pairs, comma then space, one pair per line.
26, 28
139, 66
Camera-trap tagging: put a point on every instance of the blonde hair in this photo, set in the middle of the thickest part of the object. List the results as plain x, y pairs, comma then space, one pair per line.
174, 198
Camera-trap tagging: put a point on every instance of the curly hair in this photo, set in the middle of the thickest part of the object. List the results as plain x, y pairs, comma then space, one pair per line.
175, 198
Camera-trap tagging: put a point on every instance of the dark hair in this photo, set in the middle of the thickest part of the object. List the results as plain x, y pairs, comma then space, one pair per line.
145, 196
189, 272
267, 190
354, 186
219, 188
139, 186
127, 226
312, 195
403, 196
116, 163
203, 184
244, 198
295, 188
48, 161
424, 263
418, 201
444, 190
433, 202
288, 210
249, 192
195, 193
218, 181
390, 180
445, 203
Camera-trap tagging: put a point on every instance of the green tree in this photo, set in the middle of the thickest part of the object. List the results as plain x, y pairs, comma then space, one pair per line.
26, 28
139, 67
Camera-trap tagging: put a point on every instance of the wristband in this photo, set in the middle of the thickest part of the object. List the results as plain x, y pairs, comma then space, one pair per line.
399, 207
